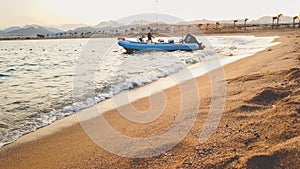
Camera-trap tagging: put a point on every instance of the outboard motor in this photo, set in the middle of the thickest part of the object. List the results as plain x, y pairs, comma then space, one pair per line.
161, 40
191, 39
171, 41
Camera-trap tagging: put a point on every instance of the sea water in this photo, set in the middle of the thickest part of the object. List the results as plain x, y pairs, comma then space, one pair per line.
37, 76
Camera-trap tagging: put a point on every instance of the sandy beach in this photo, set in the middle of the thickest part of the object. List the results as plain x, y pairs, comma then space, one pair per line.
259, 127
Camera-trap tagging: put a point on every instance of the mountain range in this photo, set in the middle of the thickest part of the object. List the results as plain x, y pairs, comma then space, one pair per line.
30, 30
67, 27
262, 20
151, 17
126, 23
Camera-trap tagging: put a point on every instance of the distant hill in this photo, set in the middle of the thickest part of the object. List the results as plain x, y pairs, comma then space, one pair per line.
67, 27
110, 23
139, 22
29, 31
268, 19
12, 28
50, 29
125, 24
53, 30
151, 17
262, 20
205, 21
83, 29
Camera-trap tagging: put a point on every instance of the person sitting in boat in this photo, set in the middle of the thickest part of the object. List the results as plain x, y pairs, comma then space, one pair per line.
140, 38
150, 36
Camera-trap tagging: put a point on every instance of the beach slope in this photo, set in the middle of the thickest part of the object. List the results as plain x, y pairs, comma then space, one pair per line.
260, 127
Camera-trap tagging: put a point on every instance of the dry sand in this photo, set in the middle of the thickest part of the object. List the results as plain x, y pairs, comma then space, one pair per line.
259, 129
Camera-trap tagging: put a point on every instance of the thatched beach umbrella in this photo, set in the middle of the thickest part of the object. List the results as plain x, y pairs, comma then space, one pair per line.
207, 25
234, 22
245, 22
200, 26
294, 21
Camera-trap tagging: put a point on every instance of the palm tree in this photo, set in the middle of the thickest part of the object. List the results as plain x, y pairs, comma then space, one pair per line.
245, 23
234, 22
200, 26
278, 17
274, 18
217, 25
294, 19
207, 25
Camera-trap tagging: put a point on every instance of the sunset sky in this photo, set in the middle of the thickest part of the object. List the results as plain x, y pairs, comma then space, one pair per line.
58, 12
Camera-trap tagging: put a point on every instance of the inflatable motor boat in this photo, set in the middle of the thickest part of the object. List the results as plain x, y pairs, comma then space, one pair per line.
189, 43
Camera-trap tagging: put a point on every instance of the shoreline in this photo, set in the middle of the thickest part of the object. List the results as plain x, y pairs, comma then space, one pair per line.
161, 84
201, 32
57, 137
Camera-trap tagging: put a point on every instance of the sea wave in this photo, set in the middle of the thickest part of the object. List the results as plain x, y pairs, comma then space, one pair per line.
130, 71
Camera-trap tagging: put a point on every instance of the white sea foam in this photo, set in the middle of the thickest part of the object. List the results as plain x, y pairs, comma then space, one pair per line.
121, 72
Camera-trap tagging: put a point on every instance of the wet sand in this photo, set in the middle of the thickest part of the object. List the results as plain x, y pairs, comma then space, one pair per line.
259, 129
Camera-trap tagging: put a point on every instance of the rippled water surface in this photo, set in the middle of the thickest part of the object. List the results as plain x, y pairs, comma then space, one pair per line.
36, 76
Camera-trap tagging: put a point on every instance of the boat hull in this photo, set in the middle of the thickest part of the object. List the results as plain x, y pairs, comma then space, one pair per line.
131, 46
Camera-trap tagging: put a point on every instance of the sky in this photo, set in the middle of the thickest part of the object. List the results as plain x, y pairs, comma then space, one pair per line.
91, 12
